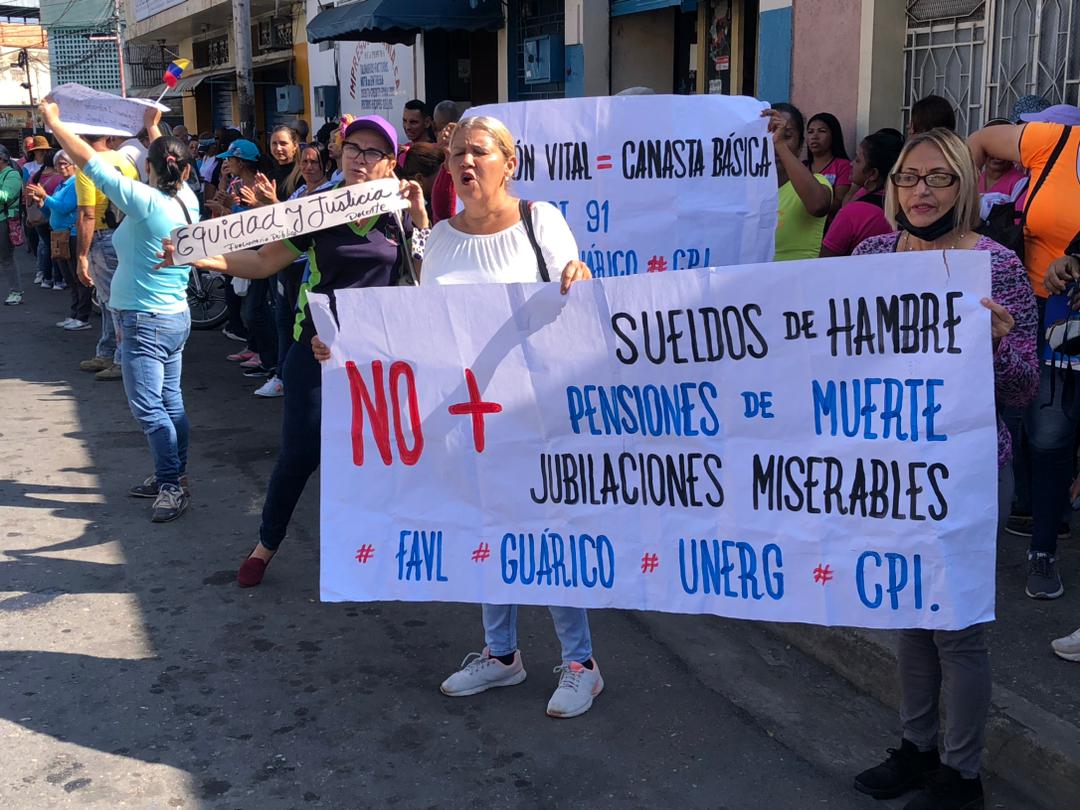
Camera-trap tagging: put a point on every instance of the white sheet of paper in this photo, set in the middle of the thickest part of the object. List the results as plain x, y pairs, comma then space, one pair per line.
93, 112
891, 524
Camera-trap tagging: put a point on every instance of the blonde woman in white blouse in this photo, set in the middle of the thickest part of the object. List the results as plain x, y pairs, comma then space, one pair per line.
488, 241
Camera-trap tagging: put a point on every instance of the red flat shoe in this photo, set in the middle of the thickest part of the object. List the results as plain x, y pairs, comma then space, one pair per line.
251, 572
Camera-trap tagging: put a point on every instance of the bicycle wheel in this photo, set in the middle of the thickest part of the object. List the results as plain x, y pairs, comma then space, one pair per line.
207, 302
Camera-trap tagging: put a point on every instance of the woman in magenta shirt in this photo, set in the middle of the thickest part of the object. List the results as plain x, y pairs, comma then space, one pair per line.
826, 155
864, 216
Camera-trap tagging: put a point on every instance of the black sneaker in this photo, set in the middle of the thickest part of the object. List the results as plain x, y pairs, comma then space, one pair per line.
905, 768
149, 487
258, 371
1020, 525
170, 503
947, 790
1024, 526
1043, 580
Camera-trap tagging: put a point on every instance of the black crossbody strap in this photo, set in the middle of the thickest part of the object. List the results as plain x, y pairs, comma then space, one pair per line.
525, 209
183, 208
1058, 149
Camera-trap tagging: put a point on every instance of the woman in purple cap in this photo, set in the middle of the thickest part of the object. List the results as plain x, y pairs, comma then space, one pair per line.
1047, 144
367, 253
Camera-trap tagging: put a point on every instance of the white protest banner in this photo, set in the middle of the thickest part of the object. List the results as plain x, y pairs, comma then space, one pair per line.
807, 441
272, 223
650, 183
93, 112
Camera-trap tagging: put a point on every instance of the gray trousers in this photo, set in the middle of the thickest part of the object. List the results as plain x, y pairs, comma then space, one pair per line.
102, 270
960, 661
7, 259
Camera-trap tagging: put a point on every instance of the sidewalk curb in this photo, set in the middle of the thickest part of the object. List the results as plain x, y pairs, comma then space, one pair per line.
1027, 747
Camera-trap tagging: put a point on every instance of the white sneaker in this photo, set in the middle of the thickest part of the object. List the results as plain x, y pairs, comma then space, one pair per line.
577, 688
77, 325
38, 278
479, 673
63, 324
45, 285
1068, 647
271, 388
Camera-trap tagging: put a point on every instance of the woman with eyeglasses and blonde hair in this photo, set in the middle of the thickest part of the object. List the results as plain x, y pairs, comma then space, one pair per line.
932, 199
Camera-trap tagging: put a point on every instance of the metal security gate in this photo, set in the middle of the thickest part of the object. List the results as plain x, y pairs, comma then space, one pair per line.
945, 55
982, 55
1036, 52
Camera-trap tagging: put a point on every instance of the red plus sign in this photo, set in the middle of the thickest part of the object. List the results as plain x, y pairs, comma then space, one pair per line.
476, 408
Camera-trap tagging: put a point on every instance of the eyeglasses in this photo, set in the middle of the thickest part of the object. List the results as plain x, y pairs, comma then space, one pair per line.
932, 180
352, 152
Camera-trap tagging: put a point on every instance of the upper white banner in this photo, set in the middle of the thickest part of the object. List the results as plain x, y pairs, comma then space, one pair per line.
810, 442
650, 183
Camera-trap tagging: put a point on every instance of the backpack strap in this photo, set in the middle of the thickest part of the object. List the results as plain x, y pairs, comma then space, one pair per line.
525, 210
183, 208
1058, 149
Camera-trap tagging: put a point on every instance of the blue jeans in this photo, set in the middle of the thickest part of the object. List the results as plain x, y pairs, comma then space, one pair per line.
571, 626
1050, 430
152, 360
298, 457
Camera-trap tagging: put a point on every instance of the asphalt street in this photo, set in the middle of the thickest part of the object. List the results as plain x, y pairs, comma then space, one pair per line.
135, 673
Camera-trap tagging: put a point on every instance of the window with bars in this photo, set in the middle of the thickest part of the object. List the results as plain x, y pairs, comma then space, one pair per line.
211, 52
73, 57
275, 34
146, 63
985, 55
533, 18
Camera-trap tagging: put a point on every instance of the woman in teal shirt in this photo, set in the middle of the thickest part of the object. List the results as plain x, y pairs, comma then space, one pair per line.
151, 300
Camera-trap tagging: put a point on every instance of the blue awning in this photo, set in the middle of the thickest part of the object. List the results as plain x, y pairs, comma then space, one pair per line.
622, 7
399, 21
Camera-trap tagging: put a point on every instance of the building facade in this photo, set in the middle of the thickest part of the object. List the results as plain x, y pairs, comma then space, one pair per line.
866, 61
202, 32
25, 78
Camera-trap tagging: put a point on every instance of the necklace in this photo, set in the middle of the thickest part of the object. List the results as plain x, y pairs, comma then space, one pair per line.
906, 247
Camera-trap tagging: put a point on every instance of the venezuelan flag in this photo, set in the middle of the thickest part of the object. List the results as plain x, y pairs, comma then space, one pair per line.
174, 71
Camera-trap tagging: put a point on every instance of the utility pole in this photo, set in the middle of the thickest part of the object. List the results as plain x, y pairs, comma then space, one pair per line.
245, 81
24, 63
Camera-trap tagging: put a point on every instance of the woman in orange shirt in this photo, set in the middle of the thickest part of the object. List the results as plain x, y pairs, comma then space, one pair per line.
1048, 146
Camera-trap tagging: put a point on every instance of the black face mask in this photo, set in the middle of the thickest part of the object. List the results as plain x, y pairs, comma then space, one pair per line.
932, 232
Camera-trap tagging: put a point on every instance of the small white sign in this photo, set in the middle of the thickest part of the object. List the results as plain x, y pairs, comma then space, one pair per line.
272, 223
93, 112
145, 9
